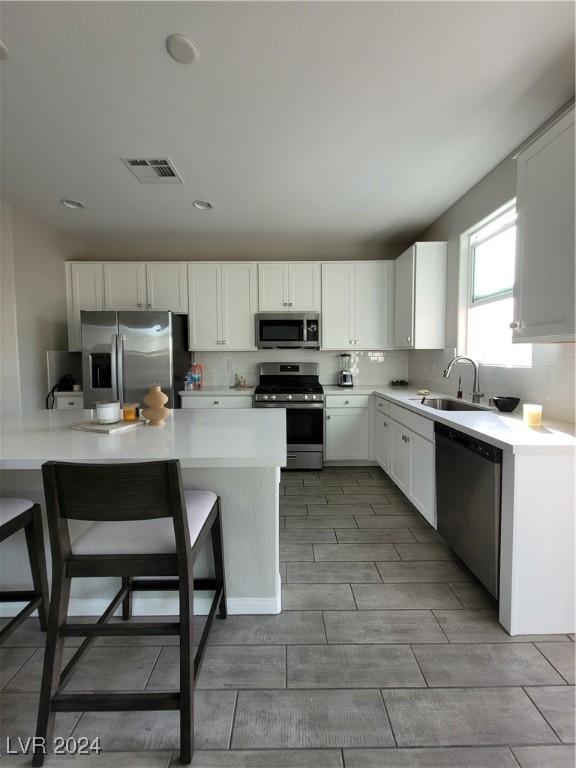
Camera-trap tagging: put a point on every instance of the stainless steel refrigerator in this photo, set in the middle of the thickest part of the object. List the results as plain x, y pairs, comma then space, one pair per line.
125, 353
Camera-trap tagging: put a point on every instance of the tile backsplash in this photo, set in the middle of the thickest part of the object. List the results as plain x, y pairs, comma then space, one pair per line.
367, 367
549, 382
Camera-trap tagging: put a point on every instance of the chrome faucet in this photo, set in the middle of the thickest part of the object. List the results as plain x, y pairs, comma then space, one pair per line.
476, 394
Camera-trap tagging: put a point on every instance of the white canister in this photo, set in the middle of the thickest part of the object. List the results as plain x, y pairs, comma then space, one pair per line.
108, 412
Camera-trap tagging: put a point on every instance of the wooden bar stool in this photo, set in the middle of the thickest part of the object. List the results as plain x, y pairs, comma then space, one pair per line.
15, 515
145, 525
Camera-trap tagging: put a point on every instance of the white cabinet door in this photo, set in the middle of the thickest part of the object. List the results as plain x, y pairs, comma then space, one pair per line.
304, 287
544, 289
85, 290
167, 286
124, 285
404, 299
273, 290
347, 434
400, 457
373, 303
337, 321
383, 438
422, 476
238, 306
204, 306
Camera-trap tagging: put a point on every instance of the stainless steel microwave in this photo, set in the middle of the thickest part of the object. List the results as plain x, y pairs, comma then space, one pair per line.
287, 330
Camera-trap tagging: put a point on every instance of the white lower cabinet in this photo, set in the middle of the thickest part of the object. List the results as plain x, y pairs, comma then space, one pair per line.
383, 440
214, 402
423, 477
347, 436
400, 457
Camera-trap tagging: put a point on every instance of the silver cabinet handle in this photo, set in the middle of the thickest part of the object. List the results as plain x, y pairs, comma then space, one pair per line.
355, 341
351, 341
515, 325
328, 417
346, 402
224, 342
139, 304
216, 402
385, 423
149, 304
408, 339
290, 303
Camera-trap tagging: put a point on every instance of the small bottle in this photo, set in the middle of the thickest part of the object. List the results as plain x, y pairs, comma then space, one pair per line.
189, 382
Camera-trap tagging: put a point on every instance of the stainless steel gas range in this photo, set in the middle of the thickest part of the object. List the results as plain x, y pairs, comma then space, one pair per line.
295, 386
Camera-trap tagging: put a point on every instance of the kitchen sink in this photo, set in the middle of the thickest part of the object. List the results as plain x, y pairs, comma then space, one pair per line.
448, 404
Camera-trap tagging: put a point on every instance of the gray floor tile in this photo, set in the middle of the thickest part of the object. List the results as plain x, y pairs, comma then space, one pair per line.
562, 657
285, 628
556, 703
29, 635
426, 535
126, 731
291, 510
332, 573
155, 640
289, 479
29, 676
313, 536
484, 665
397, 508
226, 666
341, 509
439, 757
382, 627
120, 669
425, 571
391, 521
268, 758
482, 627
361, 498
307, 491
352, 666
371, 535
298, 719
295, 502
283, 567
354, 552
465, 717
331, 480
403, 596
296, 552
425, 552
317, 597
321, 521
93, 760
474, 596
18, 713
560, 756
11, 660
376, 482
379, 493
282, 522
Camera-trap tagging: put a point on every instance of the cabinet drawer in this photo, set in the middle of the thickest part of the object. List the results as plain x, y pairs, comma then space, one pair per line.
70, 403
204, 401
383, 406
419, 424
347, 401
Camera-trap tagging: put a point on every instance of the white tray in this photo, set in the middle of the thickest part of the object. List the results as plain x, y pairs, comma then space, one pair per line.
107, 429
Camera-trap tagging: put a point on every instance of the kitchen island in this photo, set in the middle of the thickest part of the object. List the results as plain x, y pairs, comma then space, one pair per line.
235, 453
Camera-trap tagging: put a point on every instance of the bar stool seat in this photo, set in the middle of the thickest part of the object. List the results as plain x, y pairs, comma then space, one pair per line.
23, 515
155, 537
10, 508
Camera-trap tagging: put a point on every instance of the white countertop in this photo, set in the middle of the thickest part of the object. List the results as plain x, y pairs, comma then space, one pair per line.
198, 438
217, 392
505, 430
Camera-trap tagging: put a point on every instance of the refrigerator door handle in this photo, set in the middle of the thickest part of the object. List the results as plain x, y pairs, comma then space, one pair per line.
114, 366
120, 367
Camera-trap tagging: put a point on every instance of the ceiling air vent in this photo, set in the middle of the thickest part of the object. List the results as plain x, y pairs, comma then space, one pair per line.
153, 170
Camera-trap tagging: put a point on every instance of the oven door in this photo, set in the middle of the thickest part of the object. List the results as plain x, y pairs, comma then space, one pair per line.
281, 330
304, 428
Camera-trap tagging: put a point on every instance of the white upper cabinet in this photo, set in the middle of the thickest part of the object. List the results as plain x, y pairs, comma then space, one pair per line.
289, 287
166, 286
357, 304
124, 285
84, 290
420, 297
221, 306
544, 287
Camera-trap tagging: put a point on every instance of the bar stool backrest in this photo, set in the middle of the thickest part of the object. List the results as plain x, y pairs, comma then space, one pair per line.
113, 493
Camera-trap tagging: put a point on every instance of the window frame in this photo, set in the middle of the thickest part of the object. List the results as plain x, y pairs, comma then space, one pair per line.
498, 295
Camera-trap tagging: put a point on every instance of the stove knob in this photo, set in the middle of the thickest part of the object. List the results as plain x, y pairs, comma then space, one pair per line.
288, 397
272, 397
264, 397
306, 397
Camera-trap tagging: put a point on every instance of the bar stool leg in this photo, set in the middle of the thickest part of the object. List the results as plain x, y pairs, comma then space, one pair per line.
186, 669
37, 557
218, 553
127, 602
52, 663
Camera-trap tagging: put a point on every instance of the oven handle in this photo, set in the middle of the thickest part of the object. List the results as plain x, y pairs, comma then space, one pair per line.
301, 406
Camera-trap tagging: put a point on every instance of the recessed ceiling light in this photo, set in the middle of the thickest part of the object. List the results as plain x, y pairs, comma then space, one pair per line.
202, 205
71, 203
181, 48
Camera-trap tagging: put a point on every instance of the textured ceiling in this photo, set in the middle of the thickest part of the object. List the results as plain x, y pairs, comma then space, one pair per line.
363, 120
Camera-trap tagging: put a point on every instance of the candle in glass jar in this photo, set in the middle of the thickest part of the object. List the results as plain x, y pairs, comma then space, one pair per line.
533, 415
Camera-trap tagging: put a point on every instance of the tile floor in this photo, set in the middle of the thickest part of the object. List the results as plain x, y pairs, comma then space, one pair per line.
388, 653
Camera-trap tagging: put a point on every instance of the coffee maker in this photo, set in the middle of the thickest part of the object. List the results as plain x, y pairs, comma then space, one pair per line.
345, 373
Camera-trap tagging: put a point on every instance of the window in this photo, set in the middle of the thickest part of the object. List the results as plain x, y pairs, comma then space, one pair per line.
492, 249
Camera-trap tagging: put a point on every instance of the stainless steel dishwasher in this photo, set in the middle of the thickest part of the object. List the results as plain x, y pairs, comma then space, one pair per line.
468, 500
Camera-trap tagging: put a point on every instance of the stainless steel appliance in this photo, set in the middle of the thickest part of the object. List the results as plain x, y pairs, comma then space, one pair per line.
295, 386
345, 378
468, 500
125, 353
287, 330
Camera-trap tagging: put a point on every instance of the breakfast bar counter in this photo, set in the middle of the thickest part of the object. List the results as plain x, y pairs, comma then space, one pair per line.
235, 453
